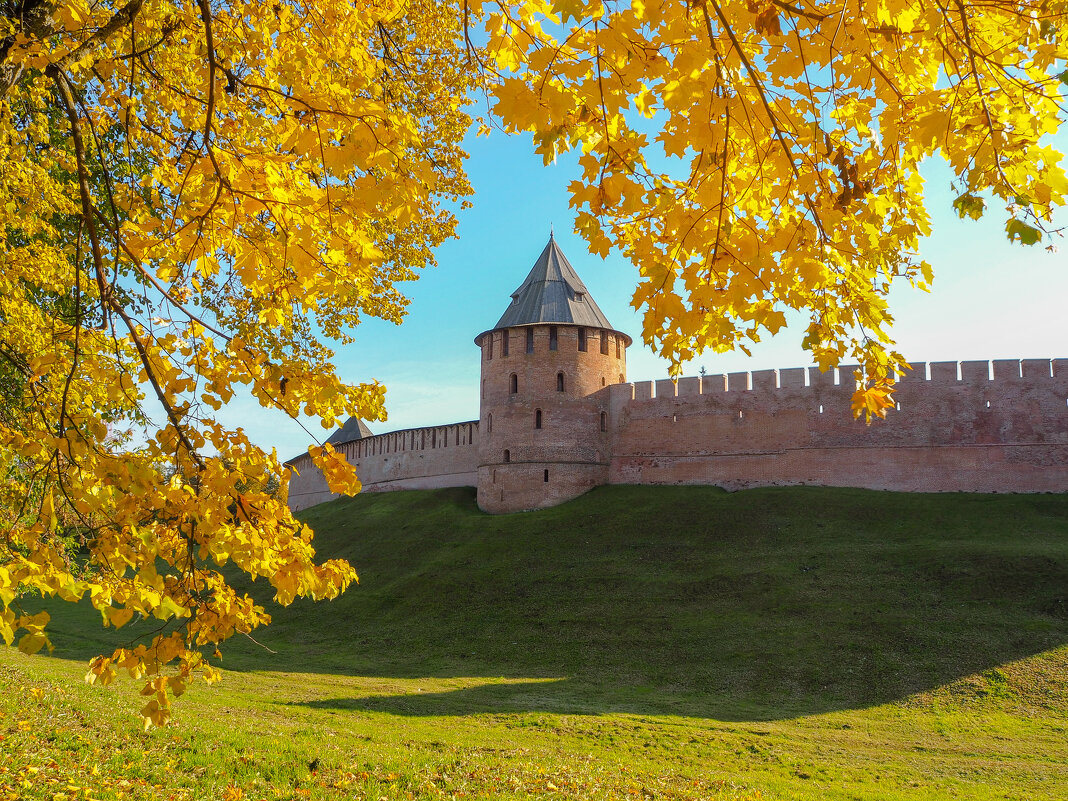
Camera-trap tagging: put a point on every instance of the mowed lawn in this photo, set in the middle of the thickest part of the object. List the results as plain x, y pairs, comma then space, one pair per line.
638, 642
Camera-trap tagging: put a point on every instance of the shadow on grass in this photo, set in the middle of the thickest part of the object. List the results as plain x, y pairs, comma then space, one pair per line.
754, 605
561, 697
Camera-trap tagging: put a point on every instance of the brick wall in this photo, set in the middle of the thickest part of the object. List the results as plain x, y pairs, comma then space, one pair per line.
969, 426
416, 458
973, 433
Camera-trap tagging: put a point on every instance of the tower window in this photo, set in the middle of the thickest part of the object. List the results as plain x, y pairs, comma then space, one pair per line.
559, 382
489, 424
578, 297
604, 421
504, 344
537, 418
507, 455
604, 343
582, 340
489, 348
617, 348
553, 339
530, 340
546, 479
513, 383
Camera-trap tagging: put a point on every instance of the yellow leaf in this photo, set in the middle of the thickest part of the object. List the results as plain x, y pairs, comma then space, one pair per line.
33, 642
117, 616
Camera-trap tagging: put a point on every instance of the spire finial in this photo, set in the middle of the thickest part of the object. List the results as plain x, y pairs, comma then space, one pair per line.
550, 230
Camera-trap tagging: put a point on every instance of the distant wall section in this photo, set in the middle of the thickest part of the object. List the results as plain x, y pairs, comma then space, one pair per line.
968, 426
415, 458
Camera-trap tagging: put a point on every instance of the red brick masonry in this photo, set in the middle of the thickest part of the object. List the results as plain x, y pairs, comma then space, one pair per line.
1000, 427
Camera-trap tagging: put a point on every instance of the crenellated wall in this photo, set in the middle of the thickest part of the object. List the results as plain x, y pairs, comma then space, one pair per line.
415, 458
972, 426
997, 426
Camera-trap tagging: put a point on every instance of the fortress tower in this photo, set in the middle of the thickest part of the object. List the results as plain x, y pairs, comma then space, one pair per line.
546, 369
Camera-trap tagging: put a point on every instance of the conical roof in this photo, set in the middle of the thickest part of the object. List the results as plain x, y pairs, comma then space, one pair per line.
552, 293
354, 429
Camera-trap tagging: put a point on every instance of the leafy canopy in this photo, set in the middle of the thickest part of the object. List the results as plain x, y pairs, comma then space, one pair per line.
198, 196
757, 156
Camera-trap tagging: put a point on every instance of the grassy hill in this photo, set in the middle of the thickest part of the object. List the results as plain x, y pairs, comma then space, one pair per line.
663, 604
767, 603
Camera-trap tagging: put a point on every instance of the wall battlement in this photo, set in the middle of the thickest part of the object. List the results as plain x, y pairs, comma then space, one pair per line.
930, 375
454, 435
413, 458
968, 426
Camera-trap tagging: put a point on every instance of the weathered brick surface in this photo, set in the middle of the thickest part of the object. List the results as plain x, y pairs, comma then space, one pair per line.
999, 427
570, 444
1009, 434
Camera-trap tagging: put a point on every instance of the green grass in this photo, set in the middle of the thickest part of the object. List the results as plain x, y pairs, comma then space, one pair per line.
665, 642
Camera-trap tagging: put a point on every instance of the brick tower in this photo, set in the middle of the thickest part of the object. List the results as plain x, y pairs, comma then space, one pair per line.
546, 366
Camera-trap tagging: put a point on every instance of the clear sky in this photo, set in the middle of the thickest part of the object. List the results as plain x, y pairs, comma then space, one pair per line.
991, 300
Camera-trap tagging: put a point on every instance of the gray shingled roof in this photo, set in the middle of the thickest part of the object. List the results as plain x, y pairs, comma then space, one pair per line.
353, 429
552, 293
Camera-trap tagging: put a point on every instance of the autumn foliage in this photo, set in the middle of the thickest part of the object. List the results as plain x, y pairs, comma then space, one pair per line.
197, 197
752, 157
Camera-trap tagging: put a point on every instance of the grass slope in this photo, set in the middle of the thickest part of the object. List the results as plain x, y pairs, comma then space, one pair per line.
798, 642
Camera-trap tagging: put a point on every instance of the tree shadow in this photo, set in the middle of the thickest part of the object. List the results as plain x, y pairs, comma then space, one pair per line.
558, 697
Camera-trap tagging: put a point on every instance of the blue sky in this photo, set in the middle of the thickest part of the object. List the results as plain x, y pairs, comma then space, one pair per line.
990, 300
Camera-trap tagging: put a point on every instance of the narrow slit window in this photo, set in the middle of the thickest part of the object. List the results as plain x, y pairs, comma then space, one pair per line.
504, 343
513, 384
604, 421
546, 478
553, 337
582, 340
507, 455
489, 348
604, 343
617, 347
559, 382
489, 424
530, 340
537, 418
